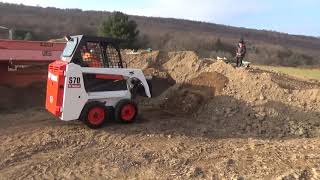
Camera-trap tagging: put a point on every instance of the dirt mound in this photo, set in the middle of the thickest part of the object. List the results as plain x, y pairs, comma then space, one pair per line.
256, 104
17, 98
141, 59
209, 80
182, 66
292, 83
240, 101
157, 73
186, 98
183, 100
7, 95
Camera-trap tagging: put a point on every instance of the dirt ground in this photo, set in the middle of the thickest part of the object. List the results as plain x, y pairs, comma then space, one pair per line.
214, 122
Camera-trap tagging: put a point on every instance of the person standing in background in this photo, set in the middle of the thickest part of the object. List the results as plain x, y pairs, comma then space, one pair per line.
240, 52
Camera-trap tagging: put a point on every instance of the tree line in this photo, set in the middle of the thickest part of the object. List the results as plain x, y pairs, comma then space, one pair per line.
167, 34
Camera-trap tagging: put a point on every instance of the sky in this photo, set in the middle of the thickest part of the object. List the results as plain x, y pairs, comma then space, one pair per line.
300, 17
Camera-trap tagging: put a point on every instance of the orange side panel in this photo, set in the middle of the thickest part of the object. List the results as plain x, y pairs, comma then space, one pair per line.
55, 87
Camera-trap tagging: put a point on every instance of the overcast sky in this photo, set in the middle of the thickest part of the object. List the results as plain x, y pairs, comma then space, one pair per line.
290, 16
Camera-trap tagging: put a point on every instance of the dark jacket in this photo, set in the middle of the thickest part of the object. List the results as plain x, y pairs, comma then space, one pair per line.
241, 51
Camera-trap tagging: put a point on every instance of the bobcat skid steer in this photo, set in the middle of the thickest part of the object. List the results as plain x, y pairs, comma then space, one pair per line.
89, 83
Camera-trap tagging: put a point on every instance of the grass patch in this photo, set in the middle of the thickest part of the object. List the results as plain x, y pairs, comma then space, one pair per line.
297, 72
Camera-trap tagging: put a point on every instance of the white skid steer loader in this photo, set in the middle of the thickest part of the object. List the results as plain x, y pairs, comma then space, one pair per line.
90, 83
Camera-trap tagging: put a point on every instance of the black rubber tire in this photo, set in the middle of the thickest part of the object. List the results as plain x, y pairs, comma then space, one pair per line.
85, 114
118, 110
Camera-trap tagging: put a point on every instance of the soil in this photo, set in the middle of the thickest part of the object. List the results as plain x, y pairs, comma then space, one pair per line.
20, 98
140, 60
208, 120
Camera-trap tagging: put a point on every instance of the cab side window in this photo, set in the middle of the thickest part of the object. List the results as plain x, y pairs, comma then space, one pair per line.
113, 57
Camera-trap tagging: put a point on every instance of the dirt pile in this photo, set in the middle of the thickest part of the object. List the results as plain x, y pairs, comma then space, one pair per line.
182, 65
141, 59
186, 98
18, 98
182, 99
6, 97
214, 81
241, 101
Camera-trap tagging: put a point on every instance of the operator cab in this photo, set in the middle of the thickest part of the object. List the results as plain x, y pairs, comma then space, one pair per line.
97, 52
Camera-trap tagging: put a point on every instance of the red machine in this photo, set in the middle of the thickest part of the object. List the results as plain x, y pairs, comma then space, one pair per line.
25, 62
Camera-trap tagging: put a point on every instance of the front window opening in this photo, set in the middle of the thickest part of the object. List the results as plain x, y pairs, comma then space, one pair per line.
70, 47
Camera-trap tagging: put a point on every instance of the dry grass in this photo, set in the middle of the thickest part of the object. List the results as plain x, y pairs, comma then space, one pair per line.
297, 72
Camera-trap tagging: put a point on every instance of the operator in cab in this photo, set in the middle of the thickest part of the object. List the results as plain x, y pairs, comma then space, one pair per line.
91, 58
